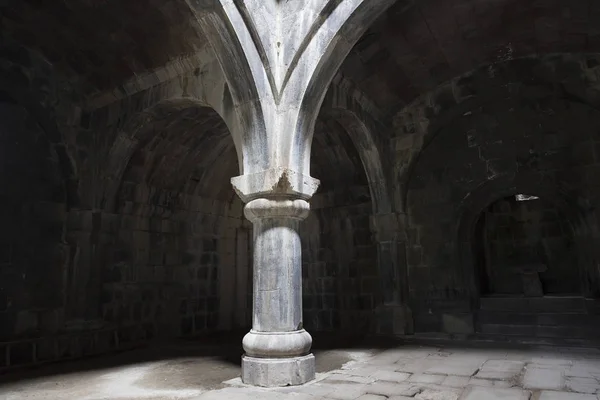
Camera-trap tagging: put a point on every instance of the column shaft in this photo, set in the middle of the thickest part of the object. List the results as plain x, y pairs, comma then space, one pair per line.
277, 276
277, 348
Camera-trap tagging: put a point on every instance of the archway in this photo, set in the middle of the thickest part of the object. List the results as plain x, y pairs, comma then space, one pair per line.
524, 246
475, 150
178, 261
340, 272
540, 285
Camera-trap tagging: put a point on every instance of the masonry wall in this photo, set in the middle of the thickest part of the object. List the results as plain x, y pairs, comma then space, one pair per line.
161, 275
33, 252
340, 280
498, 131
529, 232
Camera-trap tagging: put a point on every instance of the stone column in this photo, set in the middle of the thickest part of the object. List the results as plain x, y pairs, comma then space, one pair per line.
393, 316
277, 349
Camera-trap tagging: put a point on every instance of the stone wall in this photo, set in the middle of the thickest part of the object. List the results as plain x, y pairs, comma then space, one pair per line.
529, 232
33, 251
522, 126
340, 273
161, 274
340, 285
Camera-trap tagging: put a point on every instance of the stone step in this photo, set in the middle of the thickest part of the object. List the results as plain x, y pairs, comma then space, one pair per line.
534, 341
534, 304
491, 340
543, 319
580, 332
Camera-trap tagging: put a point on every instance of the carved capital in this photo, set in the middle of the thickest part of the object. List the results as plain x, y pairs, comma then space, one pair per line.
265, 208
275, 183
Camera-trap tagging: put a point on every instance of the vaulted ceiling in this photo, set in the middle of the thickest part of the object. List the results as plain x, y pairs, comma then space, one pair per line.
100, 44
416, 45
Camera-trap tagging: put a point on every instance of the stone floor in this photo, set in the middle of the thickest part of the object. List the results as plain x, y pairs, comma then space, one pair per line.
189, 371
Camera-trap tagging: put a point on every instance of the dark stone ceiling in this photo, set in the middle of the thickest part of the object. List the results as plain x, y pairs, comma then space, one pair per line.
101, 43
416, 45
412, 48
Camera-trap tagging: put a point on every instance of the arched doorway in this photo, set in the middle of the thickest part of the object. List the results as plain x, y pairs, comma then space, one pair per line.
524, 246
529, 270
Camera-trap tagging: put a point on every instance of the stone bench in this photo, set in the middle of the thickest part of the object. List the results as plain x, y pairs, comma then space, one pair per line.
530, 275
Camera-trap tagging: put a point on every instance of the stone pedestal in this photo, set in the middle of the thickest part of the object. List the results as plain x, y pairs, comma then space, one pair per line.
530, 277
277, 349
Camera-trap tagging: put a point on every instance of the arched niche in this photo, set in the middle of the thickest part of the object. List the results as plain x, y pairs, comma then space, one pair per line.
175, 261
502, 197
523, 245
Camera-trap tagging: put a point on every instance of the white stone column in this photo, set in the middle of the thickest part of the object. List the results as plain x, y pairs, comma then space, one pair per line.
277, 348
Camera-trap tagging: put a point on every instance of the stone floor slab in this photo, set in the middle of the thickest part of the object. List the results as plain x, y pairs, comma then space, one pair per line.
502, 374
427, 378
456, 381
582, 385
347, 391
429, 394
482, 393
490, 383
548, 395
393, 389
500, 369
390, 376
454, 368
544, 379
372, 397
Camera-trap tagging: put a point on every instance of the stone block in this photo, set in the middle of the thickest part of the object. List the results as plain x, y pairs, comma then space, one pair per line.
417, 366
458, 323
464, 369
389, 389
427, 378
346, 391
583, 385
391, 376
456, 381
372, 397
21, 353
481, 393
45, 349
489, 383
27, 321
338, 378
544, 379
3, 356
550, 395
431, 394
500, 369
268, 372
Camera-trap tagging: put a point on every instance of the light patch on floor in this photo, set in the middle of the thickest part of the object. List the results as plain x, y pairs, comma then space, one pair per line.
408, 371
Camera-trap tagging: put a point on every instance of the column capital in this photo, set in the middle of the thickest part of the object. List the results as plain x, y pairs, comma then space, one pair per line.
275, 183
276, 208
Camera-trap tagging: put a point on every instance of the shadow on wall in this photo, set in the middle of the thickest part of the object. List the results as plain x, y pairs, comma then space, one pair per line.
484, 139
524, 246
340, 272
33, 251
170, 250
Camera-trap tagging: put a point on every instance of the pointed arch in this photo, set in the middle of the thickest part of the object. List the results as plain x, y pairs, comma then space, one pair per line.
360, 19
224, 27
137, 132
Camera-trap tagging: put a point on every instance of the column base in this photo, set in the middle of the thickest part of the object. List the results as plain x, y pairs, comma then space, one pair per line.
277, 372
